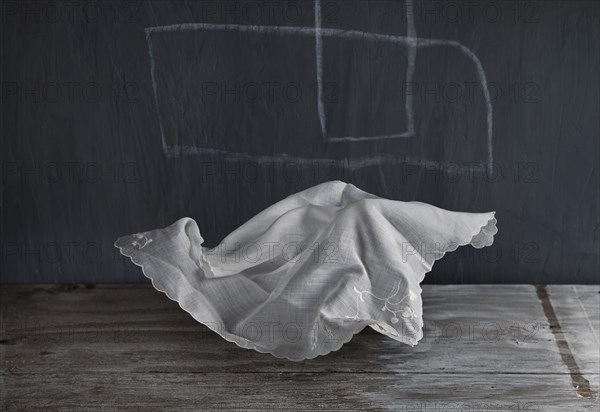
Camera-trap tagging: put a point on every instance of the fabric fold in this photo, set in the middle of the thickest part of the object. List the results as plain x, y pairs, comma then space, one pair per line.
299, 279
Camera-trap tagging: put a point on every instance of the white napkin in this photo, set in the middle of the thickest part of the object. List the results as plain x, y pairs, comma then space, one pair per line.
299, 279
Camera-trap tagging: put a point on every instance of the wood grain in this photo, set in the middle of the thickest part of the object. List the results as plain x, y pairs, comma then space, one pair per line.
129, 347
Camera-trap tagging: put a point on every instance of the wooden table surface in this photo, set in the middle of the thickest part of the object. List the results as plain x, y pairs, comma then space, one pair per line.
115, 347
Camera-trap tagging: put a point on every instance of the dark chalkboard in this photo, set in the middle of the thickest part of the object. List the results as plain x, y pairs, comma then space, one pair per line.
119, 117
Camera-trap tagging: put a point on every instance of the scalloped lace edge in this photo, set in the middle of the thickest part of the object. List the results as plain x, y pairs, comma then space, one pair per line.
486, 232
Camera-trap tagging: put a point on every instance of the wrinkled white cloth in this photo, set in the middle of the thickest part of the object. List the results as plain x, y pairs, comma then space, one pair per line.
299, 279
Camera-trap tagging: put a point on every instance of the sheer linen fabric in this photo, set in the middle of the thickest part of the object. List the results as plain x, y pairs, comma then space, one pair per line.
299, 279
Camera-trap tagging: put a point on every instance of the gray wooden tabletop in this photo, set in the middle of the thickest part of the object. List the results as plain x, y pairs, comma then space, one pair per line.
115, 347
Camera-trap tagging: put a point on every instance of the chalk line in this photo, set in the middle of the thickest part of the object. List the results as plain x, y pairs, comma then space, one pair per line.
155, 89
319, 69
350, 164
411, 32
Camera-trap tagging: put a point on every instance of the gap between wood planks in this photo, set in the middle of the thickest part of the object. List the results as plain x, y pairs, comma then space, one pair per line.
580, 383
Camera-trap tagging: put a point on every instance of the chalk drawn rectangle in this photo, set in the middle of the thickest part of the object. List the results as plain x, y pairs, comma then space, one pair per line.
216, 90
411, 41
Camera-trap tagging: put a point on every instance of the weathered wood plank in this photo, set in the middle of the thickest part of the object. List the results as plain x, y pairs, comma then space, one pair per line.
292, 391
136, 329
114, 346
